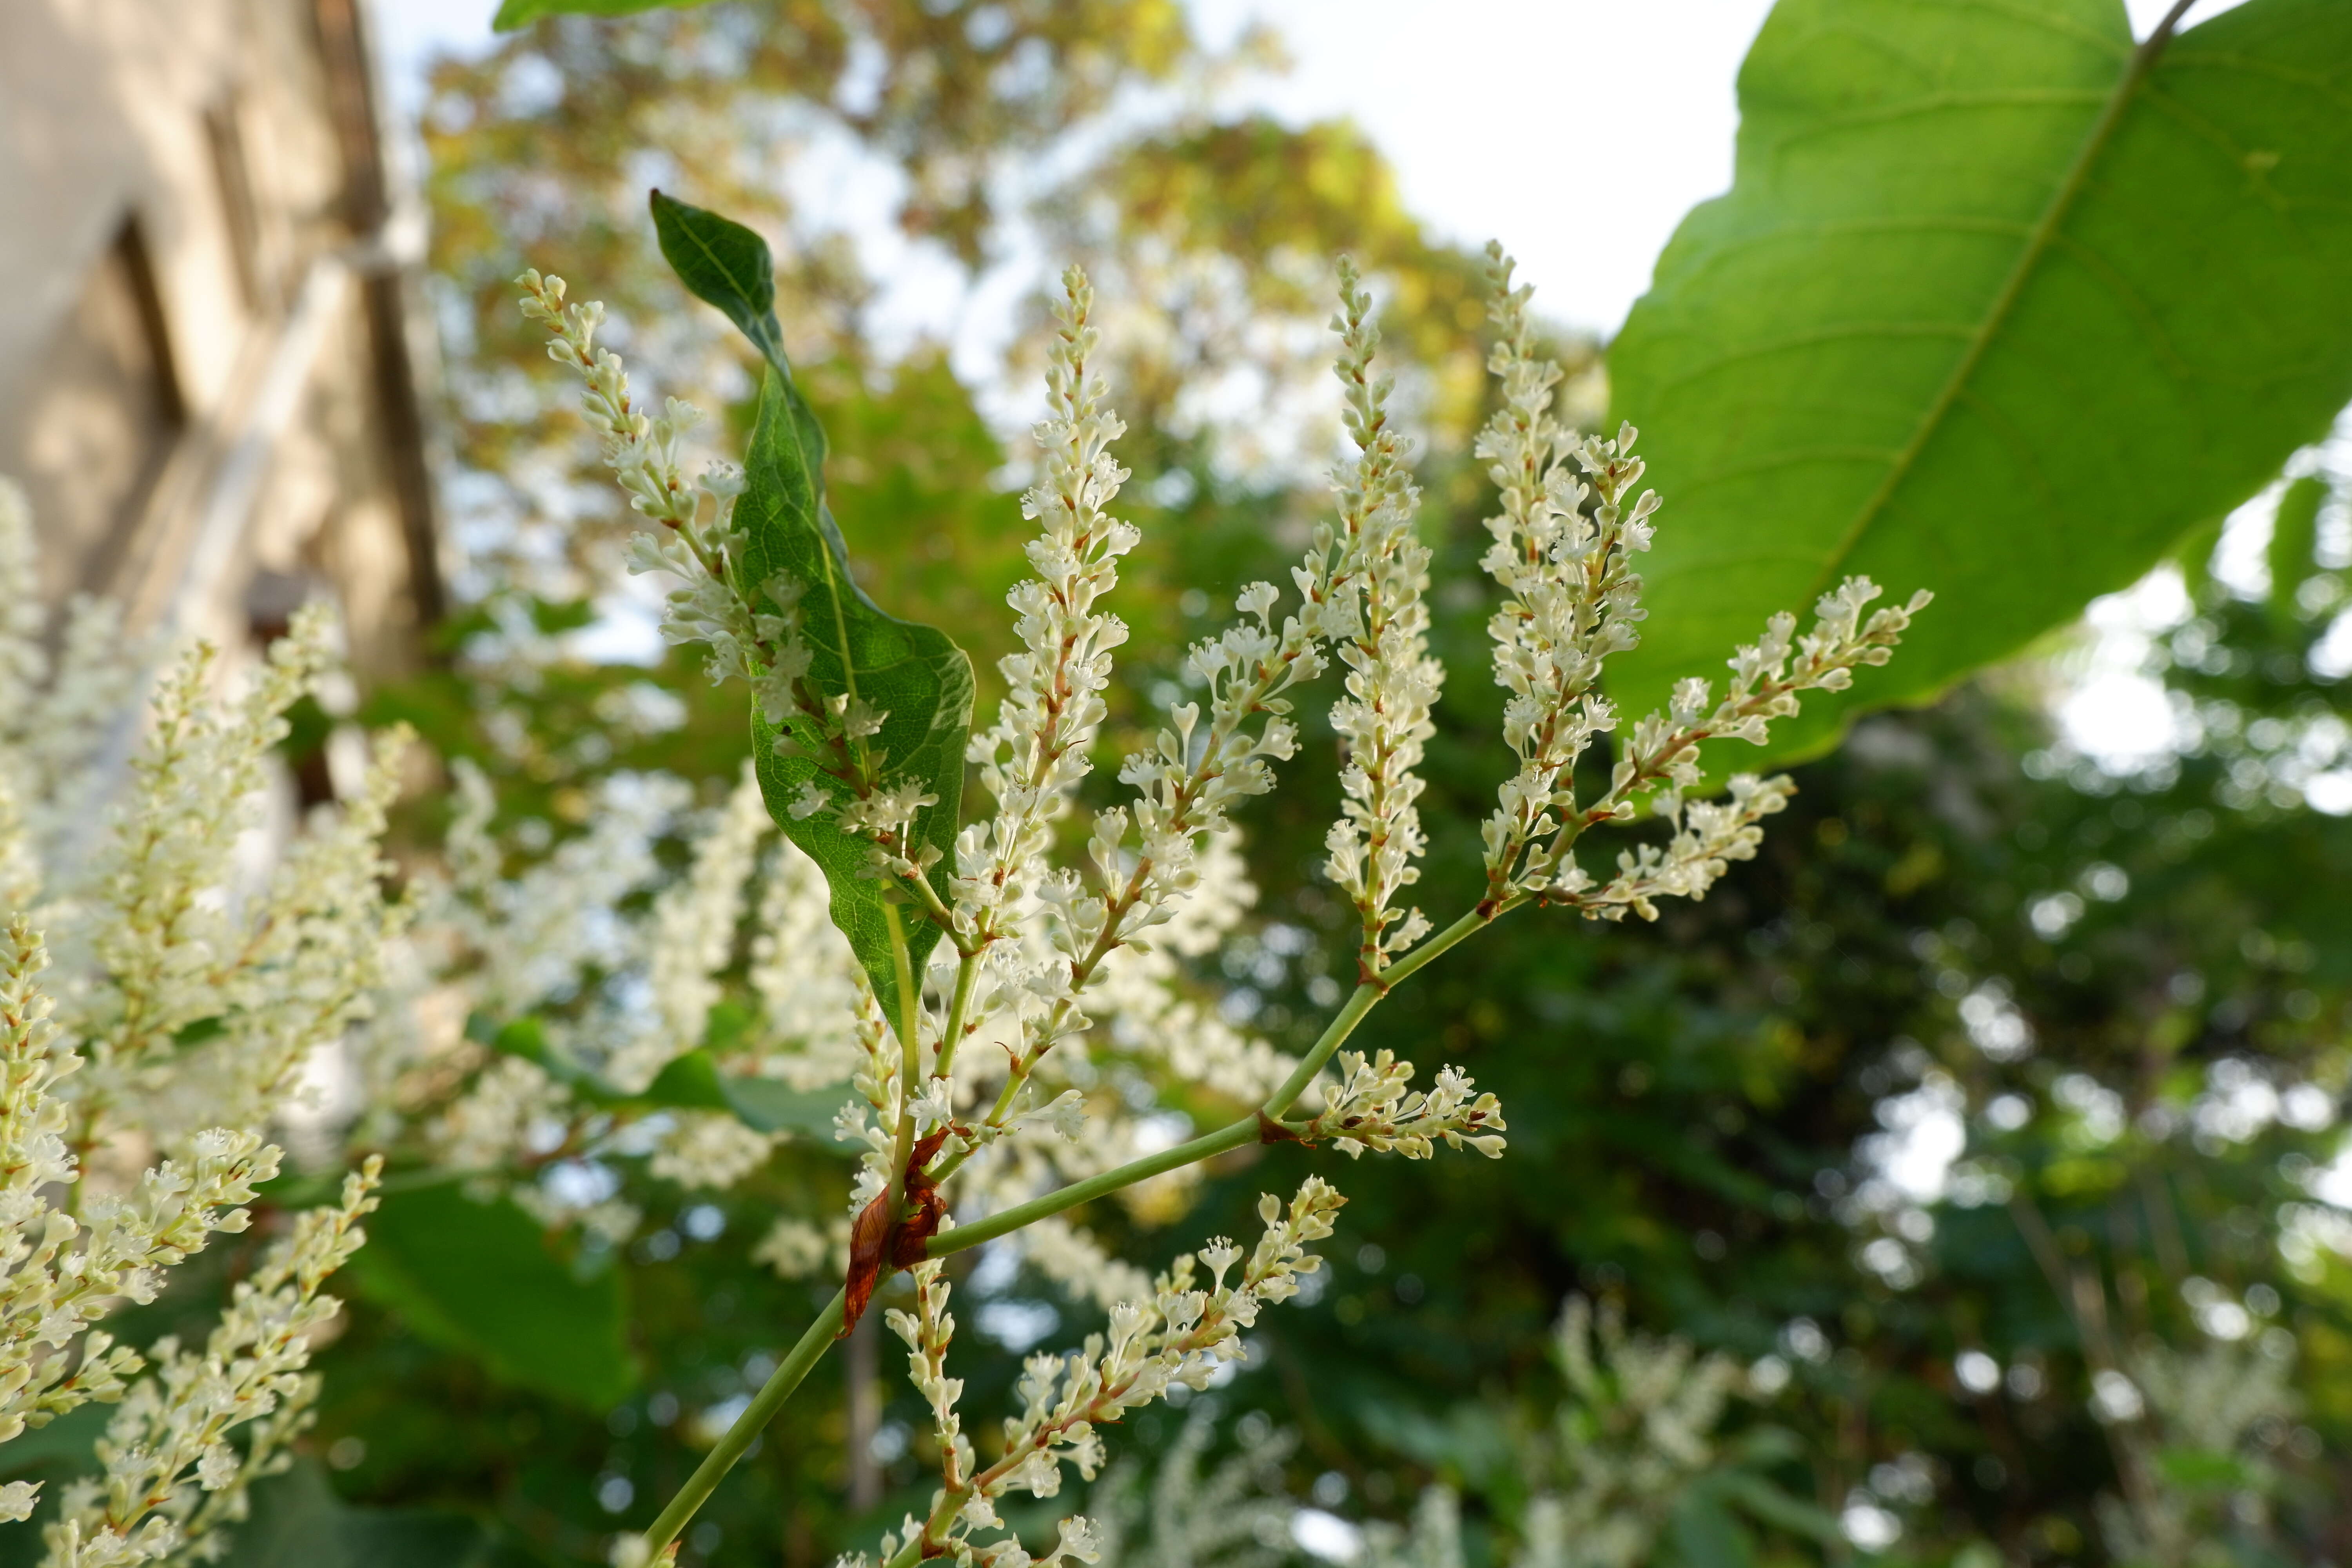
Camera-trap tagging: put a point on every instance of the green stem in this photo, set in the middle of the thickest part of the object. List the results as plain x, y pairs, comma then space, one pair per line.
1411, 962
967, 973
910, 1050
738, 1438
1235, 1135
935, 909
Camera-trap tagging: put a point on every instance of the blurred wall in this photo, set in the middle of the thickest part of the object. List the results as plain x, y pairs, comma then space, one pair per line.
208, 358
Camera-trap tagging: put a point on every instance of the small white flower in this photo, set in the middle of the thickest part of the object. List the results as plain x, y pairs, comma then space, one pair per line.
216, 1467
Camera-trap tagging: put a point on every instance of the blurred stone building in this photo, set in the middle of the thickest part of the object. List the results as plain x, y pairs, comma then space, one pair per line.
209, 361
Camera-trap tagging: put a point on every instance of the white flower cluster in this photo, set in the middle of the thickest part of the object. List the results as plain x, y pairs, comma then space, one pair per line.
56, 710
810, 990
1563, 551
1190, 1330
1640, 1426
753, 629
1375, 1107
1235, 1516
693, 936
1010, 975
173, 1482
642, 450
1144, 862
198, 1001
1035, 754
1637, 1431
192, 995
1392, 682
959, 1079
514, 945
621, 984
2215, 1398
525, 939
63, 1275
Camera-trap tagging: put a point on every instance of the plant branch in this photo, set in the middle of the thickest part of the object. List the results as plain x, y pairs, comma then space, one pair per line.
738, 1438
1238, 1134
952, 1035
910, 1050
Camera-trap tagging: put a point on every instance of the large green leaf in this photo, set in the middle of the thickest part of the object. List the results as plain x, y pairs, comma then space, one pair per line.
1998, 305
297, 1522
913, 674
482, 1279
513, 13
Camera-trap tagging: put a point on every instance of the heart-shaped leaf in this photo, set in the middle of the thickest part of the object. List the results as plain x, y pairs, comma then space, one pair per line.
1999, 304
913, 674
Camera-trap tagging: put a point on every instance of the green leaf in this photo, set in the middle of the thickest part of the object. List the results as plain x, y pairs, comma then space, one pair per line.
693, 1081
724, 264
1768, 1503
1998, 305
914, 674
297, 1522
527, 1038
65, 1442
1703, 1534
774, 1107
484, 1279
513, 13
2202, 1470
690, 1081
203, 1031
2294, 539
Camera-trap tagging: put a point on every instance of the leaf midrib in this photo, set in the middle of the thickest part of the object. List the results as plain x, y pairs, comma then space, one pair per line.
2038, 243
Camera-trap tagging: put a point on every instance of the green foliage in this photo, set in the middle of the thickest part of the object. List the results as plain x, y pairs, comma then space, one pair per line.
691, 1080
1999, 304
720, 99
914, 675
1698, 1087
726, 265
513, 13
297, 1522
483, 1279
1705, 1089
2295, 535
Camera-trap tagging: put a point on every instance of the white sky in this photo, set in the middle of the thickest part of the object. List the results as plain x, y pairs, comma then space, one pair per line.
1506, 118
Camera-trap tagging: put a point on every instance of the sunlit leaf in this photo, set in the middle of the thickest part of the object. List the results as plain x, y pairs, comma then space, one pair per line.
1999, 304
2295, 539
